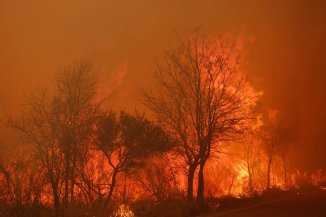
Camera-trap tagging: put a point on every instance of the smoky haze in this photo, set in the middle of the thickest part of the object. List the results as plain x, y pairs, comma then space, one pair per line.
285, 58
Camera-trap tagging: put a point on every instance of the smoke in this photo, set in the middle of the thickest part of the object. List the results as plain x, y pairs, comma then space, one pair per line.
111, 85
285, 59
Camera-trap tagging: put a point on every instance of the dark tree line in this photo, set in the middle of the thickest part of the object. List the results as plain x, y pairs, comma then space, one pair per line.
78, 157
62, 129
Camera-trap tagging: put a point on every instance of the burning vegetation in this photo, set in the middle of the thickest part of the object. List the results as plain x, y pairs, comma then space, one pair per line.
208, 137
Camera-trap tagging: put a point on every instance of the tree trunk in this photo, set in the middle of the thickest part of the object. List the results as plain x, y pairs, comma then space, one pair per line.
66, 192
200, 189
251, 186
268, 173
56, 201
113, 182
231, 186
72, 184
285, 172
250, 178
190, 187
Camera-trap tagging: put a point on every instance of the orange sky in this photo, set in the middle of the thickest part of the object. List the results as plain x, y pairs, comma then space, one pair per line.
286, 58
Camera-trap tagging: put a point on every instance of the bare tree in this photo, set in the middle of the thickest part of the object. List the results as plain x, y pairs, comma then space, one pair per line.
202, 97
20, 184
283, 149
250, 154
92, 181
223, 179
155, 181
78, 110
283, 152
59, 127
41, 129
276, 136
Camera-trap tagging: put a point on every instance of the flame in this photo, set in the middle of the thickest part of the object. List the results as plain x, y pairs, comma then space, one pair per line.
123, 211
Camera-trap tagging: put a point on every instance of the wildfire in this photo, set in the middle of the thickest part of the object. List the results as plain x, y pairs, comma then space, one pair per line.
123, 211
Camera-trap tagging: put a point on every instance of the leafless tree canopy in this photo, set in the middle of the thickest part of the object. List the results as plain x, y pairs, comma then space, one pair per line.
59, 128
201, 96
77, 157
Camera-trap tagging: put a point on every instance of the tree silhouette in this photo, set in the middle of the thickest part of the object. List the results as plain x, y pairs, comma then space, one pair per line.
276, 135
201, 96
59, 127
126, 140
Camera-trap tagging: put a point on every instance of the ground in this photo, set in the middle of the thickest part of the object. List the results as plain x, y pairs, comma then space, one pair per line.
296, 205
